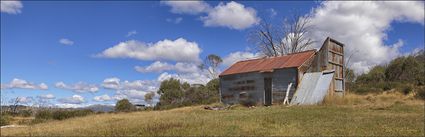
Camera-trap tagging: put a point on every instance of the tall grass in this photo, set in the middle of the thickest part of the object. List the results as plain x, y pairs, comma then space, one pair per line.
384, 98
384, 114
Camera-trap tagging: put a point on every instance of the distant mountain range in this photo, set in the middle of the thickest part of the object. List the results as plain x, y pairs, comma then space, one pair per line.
95, 108
100, 108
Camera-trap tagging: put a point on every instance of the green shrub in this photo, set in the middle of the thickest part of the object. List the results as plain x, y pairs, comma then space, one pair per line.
43, 115
387, 86
174, 93
402, 74
124, 105
4, 119
25, 113
60, 114
65, 114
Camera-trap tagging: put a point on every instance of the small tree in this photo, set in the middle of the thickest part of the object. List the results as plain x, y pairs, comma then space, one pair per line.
123, 105
211, 64
149, 97
213, 87
172, 91
376, 74
406, 69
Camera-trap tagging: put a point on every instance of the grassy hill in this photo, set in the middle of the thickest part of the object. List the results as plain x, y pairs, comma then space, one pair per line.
384, 114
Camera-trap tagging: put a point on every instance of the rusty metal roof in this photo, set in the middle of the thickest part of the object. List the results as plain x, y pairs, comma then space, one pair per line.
269, 64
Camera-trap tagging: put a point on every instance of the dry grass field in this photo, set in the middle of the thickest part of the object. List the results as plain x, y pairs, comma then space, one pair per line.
369, 115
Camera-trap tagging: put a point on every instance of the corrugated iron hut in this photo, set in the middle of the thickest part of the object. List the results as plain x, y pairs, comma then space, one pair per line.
266, 80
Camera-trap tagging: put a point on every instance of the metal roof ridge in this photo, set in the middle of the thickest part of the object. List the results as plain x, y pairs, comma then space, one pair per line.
291, 54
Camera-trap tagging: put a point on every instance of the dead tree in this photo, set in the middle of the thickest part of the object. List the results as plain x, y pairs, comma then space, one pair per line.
290, 37
14, 104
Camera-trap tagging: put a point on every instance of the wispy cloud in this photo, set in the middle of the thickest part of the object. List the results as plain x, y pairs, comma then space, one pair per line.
65, 41
131, 33
272, 12
11, 7
175, 21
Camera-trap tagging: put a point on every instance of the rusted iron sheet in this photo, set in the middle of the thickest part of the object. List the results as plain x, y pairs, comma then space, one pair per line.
269, 64
313, 88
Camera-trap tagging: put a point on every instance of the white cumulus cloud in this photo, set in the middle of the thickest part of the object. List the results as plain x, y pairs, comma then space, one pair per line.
79, 87
232, 15
362, 26
75, 99
200, 77
24, 100
111, 83
187, 7
102, 98
117, 84
23, 84
238, 56
69, 105
159, 66
47, 96
177, 50
11, 7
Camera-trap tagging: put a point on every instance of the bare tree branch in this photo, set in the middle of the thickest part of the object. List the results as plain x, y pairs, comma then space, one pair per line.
291, 37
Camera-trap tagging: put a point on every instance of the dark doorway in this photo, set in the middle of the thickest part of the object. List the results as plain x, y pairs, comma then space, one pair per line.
267, 91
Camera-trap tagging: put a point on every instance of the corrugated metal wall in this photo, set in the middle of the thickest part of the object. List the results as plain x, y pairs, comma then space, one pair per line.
281, 80
314, 88
250, 86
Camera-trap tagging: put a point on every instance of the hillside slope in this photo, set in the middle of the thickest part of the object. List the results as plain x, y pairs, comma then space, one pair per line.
357, 119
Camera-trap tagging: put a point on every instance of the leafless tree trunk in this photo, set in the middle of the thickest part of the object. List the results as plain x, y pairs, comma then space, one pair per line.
290, 37
14, 104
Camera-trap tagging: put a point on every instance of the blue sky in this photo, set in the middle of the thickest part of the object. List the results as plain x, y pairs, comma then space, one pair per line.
74, 47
